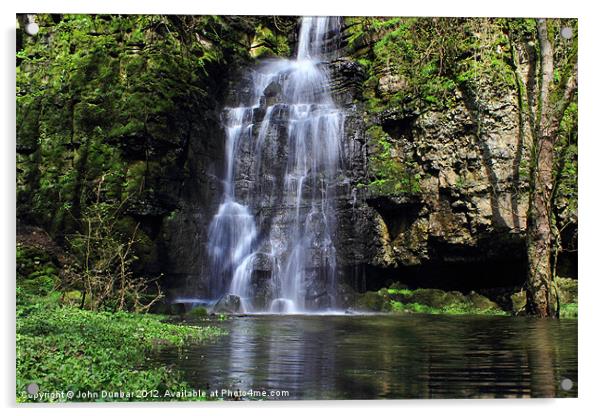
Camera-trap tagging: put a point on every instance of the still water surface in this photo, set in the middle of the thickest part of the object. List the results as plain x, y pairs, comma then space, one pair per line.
384, 356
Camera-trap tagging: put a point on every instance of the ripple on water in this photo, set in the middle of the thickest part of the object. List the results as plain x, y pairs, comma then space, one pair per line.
365, 357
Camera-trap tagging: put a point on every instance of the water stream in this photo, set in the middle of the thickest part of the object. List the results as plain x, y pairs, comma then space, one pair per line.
299, 242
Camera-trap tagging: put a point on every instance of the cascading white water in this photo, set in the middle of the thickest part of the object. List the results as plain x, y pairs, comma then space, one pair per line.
299, 240
232, 231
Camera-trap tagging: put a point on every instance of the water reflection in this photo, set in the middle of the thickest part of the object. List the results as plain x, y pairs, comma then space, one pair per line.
363, 357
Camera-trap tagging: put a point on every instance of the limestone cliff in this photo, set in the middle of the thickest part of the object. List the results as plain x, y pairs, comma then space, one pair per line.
433, 192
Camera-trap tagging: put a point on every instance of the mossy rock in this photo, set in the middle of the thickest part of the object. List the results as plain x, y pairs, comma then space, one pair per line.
454, 298
436, 298
383, 292
481, 302
197, 312
519, 302
31, 260
373, 301
347, 295
228, 304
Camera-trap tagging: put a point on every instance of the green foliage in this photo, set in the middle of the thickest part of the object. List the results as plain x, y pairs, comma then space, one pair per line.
393, 175
31, 261
430, 59
198, 312
431, 301
269, 43
460, 182
566, 188
407, 51
63, 348
104, 251
36, 273
392, 291
360, 28
569, 311
454, 309
484, 56
90, 86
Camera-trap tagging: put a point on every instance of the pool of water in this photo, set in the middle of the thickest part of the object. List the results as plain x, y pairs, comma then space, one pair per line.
384, 356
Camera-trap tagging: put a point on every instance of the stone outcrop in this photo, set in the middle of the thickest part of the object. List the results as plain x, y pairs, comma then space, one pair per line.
454, 217
462, 227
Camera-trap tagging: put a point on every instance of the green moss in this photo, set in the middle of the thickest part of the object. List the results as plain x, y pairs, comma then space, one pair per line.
134, 178
519, 302
455, 309
435, 58
32, 260
432, 301
372, 301
567, 186
402, 51
568, 289
72, 298
132, 127
198, 312
569, 311
393, 175
41, 283
399, 291
97, 92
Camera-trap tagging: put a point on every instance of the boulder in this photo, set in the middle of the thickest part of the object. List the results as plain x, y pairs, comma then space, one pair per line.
228, 304
197, 312
481, 302
519, 302
373, 301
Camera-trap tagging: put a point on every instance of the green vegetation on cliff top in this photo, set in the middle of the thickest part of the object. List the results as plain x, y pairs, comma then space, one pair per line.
427, 60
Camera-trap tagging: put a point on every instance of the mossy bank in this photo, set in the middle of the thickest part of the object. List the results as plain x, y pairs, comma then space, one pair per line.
73, 354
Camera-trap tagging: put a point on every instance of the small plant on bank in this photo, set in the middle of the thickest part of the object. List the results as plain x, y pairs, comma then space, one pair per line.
105, 257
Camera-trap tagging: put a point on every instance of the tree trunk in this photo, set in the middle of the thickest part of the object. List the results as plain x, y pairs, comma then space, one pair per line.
540, 293
539, 234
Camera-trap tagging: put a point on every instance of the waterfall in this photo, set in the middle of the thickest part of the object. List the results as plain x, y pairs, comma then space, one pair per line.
297, 235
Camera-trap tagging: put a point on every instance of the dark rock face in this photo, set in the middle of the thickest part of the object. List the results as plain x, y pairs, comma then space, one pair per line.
468, 213
228, 304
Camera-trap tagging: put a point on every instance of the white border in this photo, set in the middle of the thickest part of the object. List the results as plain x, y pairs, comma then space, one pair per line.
590, 152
